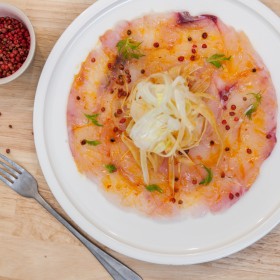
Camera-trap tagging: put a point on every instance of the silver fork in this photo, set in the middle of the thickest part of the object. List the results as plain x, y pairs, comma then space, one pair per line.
26, 185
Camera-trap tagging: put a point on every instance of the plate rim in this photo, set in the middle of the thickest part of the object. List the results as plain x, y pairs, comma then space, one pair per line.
43, 157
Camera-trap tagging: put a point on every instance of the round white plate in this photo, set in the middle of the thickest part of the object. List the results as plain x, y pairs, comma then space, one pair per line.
184, 241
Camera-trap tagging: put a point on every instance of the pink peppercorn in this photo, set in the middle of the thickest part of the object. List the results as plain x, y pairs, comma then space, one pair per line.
181, 58
204, 35
249, 151
156, 44
192, 58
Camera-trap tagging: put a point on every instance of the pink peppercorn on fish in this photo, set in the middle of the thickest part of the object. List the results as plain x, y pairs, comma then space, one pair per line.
172, 113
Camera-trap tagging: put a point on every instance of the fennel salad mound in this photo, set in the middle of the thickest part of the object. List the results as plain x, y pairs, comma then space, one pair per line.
172, 113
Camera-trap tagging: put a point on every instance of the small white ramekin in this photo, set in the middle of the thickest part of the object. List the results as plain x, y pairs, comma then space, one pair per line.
12, 11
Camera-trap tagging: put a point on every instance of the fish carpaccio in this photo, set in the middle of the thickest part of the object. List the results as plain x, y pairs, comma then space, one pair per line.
222, 63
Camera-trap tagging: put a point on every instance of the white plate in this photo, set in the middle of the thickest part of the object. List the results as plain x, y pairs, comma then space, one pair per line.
171, 242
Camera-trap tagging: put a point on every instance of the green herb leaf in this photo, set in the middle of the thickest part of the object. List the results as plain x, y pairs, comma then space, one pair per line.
111, 168
207, 180
217, 64
250, 110
154, 188
93, 119
254, 106
93, 142
257, 96
216, 59
129, 48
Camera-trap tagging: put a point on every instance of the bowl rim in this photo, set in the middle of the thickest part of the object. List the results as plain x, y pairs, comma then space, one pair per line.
20, 15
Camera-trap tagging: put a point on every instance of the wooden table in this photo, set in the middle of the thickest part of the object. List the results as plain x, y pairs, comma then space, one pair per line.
33, 245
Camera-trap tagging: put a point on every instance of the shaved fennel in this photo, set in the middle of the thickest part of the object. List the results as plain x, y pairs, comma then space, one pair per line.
166, 119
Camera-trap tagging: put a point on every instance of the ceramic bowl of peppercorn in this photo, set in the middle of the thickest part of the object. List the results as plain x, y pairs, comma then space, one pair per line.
17, 43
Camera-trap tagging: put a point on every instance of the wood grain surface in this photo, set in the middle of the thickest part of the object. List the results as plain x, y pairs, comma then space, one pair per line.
33, 245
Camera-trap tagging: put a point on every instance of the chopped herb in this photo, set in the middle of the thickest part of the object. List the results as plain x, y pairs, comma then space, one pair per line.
111, 168
257, 96
93, 119
254, 106
93, 142
216, 59
206, 181
154, 188
250, 110
129, 48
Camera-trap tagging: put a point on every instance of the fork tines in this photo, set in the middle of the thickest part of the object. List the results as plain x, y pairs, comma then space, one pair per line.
9, 171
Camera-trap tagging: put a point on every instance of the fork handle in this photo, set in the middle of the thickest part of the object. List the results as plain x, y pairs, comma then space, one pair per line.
116, 269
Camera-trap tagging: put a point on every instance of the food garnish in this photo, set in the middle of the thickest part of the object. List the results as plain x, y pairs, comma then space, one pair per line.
111, 168
254, 106
128, 48
93, 119
167, 119
154, 188
207, 180
93, 142
217, 59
